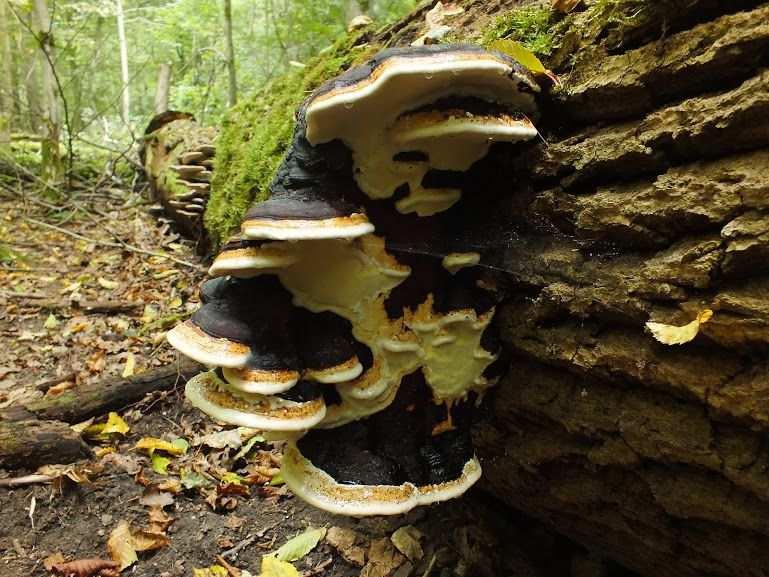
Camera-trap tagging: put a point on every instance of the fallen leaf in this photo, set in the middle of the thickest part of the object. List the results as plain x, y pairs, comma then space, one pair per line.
212, 571
277, 480
520, 53
53, 559
159, 520
220, 440
51, 322
120, 546
192, 480
172, 485
383, 559
565, 6
83, 567
272, 567
345, 541
107, 284
151, 444
115, 425
130, 365
152, 496
248, 446
160, 464
143, 540
673, 335
406, 540
234, 522
299, 546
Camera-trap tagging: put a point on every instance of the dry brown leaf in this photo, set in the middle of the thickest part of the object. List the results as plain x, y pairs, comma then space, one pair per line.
345, 541
144, 540
159, 520
406, 540
565, 6
120, 546
154, 497
383, 559
673, 335
84, 567
53, 559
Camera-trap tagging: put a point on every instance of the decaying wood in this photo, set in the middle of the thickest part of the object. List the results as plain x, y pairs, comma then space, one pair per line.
653, 455
177, 155
32, 443
38, 432
94, 399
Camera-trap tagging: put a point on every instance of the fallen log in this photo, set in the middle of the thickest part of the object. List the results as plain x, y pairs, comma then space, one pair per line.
38, 432
177, 155
94, 399
29, 444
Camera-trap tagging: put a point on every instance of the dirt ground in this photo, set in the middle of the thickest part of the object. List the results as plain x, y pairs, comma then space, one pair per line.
88, 288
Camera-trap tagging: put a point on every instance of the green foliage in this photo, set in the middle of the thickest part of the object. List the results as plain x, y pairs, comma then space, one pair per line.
530, 25
256, 133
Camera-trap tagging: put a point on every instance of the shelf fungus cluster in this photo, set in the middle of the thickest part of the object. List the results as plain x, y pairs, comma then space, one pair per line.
328, 320
178, 158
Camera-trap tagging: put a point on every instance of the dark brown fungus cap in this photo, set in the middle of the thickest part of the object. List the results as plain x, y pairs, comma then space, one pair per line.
328, 348
245, 258
304, 216
380, 472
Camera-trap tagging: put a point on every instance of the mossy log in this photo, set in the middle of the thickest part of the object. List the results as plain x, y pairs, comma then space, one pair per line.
38, 432
99, 397
178, 156
647, 200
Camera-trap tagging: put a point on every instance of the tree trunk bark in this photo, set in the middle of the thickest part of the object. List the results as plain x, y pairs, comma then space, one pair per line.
6, 78
124, 77
649, 202
162, 88
232, 86
50, 152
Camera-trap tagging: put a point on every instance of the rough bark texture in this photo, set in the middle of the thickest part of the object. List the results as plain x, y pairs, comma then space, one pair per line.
29, 444
177, 154
651, 202
98, 398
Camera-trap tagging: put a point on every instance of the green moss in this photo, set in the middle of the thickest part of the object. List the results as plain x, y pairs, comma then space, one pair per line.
530, 25
256, 133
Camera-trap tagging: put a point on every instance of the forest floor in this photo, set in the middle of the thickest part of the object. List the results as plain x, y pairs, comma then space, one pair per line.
88, 287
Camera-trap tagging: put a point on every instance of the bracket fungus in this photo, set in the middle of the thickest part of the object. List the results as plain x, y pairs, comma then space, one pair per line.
328, 316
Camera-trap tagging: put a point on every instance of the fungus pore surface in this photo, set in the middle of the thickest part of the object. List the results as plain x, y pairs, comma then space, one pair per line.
345, 308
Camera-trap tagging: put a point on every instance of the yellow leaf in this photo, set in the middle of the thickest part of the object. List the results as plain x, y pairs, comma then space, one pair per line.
143, 540
51, 322
518, 52
151, 444
107, 284
115, 424
272, 567
672, 335
130, 365
160, 464
212, 571
298, 546
120, 546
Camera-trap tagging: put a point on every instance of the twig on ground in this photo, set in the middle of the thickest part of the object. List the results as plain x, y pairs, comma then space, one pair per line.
25, 480
231, 571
